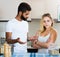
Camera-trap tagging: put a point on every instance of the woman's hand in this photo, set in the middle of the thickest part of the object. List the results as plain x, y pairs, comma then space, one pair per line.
19, 41
35, 45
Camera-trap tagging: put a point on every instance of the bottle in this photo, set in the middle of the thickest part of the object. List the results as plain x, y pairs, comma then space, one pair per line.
7, 50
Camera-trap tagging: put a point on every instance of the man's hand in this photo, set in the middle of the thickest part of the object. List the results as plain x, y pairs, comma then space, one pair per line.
19, 41
33, 38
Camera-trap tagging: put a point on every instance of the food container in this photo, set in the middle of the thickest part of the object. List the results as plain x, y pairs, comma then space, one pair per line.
32, 50
54, 49
54, 52
7, 50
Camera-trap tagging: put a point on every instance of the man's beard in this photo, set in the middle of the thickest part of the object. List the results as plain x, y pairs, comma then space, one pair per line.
23, 18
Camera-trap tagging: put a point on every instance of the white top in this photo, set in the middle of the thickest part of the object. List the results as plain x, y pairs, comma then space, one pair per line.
18, 29
43, 39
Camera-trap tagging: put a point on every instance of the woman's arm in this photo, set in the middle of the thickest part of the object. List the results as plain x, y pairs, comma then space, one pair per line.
52, 39
35, 45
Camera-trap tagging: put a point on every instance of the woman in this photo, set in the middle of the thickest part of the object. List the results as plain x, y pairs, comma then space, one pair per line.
46, 35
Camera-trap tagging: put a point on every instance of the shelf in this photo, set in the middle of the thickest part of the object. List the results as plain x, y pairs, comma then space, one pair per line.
56, 20
4, 20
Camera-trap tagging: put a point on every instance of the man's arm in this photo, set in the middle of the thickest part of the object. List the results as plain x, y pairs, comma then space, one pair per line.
9, 40
12, 41
52, 39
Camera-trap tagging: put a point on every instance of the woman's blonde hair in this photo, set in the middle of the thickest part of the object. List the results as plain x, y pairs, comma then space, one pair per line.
42, 28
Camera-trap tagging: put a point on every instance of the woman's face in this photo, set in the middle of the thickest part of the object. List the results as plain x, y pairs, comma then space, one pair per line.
47, 22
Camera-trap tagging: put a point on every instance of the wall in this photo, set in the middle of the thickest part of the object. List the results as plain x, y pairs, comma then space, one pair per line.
37, 8
51, 6
8, 8
2, 29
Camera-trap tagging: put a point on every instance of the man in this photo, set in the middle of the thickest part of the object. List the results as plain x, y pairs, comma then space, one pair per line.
17, 29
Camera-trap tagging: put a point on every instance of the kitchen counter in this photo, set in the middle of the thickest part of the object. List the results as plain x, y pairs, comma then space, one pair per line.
35, 55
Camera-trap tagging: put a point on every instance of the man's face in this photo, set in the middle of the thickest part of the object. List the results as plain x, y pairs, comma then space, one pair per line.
25, 15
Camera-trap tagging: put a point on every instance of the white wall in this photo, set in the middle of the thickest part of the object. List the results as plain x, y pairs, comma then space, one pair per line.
8, 8
37, 8
51, 7
2, 29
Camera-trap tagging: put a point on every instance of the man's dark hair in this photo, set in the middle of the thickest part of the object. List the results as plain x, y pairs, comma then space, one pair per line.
23, 7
